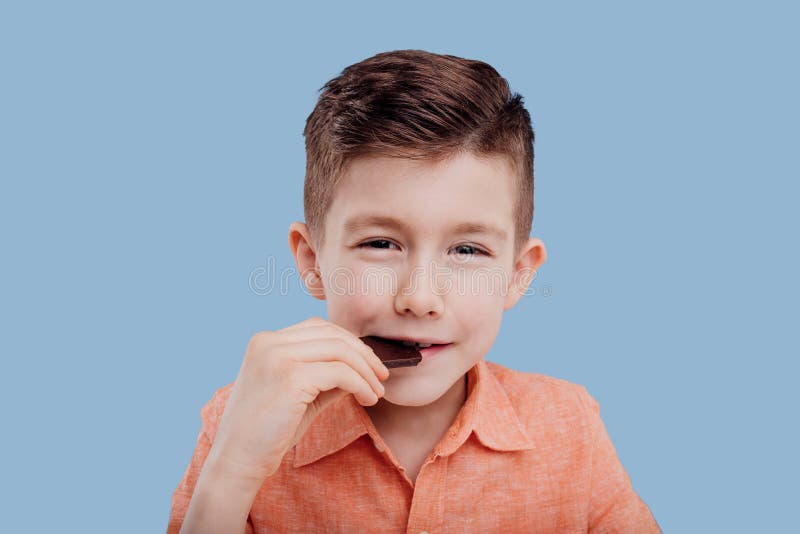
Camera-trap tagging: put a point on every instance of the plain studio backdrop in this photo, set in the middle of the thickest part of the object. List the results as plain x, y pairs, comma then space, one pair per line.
152, 159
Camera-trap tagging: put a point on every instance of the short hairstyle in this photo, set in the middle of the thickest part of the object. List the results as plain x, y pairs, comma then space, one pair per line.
419, 105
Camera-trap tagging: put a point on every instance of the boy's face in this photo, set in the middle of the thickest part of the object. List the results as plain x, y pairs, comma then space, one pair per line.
404, 258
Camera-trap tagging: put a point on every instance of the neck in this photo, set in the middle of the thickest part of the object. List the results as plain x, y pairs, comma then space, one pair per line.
432, 418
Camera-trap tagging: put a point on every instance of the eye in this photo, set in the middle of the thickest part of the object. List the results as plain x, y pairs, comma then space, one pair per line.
377, 243
470, 250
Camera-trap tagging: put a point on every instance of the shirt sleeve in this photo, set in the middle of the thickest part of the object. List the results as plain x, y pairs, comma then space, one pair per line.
614, 505
183, 493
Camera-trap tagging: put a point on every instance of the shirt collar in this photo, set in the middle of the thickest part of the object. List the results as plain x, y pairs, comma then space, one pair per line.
488, 412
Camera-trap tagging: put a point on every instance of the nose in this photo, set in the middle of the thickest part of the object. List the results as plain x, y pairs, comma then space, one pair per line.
420, 295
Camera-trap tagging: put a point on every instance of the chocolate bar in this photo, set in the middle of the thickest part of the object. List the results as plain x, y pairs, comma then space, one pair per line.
393, 353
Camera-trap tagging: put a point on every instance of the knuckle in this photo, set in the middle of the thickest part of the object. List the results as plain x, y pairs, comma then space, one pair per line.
343, 344
333, 326
328, 341
260, 340
260, 352
331, 329
292, 374
341, 367
340, 347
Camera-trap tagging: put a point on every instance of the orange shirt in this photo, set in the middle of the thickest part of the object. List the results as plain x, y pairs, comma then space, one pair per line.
526, 453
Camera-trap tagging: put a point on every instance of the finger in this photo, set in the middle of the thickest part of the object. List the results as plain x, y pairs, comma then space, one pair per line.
326, 376
327, 329
339, 349
376, 362
332, 349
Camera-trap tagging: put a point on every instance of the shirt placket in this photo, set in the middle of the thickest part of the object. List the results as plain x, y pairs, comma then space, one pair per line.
427, 504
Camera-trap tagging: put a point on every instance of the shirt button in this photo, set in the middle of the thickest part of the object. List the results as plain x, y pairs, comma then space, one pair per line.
424, 532
378, 446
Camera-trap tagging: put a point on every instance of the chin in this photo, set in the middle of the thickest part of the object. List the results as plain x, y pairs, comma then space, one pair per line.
411, 398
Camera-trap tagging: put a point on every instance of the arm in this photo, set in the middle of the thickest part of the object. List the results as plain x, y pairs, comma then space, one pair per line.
287, 378
209, 500
614, 504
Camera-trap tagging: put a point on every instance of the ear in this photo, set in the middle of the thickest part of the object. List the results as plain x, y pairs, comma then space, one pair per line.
532, 255
305, 257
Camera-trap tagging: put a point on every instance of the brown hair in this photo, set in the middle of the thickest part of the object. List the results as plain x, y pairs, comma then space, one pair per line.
419, 105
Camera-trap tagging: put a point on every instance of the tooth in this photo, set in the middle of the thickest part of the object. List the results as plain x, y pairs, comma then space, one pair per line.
424, 345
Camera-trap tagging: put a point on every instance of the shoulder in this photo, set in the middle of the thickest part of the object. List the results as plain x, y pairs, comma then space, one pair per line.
211, 412
540, 397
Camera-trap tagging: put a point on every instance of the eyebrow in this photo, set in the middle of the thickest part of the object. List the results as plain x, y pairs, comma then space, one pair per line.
359, 222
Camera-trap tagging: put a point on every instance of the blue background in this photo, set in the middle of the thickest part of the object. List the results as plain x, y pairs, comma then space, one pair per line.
153, 158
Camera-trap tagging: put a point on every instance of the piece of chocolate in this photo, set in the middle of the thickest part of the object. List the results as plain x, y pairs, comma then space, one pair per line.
393, 353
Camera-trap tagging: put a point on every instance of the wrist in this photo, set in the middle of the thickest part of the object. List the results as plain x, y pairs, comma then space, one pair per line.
222, 472
221, 500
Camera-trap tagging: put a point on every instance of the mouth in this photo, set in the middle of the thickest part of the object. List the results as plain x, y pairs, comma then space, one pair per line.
427, 347
419, 344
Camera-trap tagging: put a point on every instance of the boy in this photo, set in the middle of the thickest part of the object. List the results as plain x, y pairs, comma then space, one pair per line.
419, 202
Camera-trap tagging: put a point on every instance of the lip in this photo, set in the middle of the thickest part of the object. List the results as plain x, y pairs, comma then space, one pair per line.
430, 352
424, 340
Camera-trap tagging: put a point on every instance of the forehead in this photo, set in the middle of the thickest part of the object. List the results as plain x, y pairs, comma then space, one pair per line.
462, 194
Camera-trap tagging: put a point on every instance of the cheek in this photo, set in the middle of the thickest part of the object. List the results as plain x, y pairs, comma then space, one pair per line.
484, 287
355, 295
478, 301
479, 312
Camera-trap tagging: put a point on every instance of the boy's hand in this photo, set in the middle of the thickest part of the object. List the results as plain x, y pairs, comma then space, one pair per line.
288, 377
